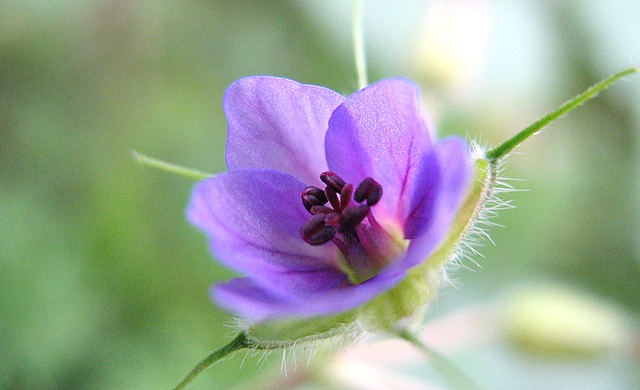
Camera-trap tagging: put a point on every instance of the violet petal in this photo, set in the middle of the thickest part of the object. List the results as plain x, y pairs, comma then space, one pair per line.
253, 302
297, 284
435, 205
253, 220
380, 131
275, 123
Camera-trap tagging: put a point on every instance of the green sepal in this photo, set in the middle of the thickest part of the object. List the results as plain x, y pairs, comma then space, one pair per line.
289, 332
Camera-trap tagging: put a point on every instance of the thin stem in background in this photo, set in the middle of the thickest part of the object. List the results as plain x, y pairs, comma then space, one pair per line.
169, 167
455, 377
503, 149
358, 44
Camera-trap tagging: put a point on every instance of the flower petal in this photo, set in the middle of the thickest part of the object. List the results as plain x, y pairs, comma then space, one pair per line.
253, 220
276, 123
300, 282
439, 188
255, 303
379, 131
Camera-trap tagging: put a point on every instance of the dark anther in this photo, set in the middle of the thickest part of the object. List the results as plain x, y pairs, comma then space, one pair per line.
321, 210
369, 190
352, 216
332, 181
342, 215
316, 232
333, 219
313, 196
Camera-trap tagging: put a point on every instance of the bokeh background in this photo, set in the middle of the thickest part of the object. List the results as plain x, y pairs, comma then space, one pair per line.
103, 284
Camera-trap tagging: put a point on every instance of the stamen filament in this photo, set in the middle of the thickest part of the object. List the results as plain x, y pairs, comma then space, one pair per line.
341, 246
345, 196
333, 199
373, 221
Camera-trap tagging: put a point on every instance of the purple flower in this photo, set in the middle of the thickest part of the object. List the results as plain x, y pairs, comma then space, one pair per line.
328, 201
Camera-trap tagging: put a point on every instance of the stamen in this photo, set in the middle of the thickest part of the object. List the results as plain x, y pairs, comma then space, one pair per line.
373, 221
341, 246
348, 222
316, 232
339, 221
321, 210
369, 190
333, 219
332, 180
313, 196
352, 216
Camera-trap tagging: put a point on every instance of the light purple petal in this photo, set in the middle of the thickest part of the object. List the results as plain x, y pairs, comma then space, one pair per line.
275, 123
441, 184
421, 193
379, 131
299, 282
253, 220
255, 303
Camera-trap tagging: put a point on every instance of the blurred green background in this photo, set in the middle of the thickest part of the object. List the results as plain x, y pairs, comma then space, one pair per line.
103, 284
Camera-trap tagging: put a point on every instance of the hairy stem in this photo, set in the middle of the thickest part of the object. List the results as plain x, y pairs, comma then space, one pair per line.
238, 343
503, 149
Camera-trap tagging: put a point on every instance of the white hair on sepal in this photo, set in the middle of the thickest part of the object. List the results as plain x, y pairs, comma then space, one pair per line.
350, 335
305, 348
478, 231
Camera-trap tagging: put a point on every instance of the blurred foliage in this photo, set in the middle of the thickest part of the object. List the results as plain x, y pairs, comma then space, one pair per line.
104, 285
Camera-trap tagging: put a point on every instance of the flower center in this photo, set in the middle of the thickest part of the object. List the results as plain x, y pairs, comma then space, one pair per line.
348, 223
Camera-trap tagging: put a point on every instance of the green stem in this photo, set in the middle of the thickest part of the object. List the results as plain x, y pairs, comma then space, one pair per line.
507, 146
358, 44
169, 167
456, 378
238, 343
